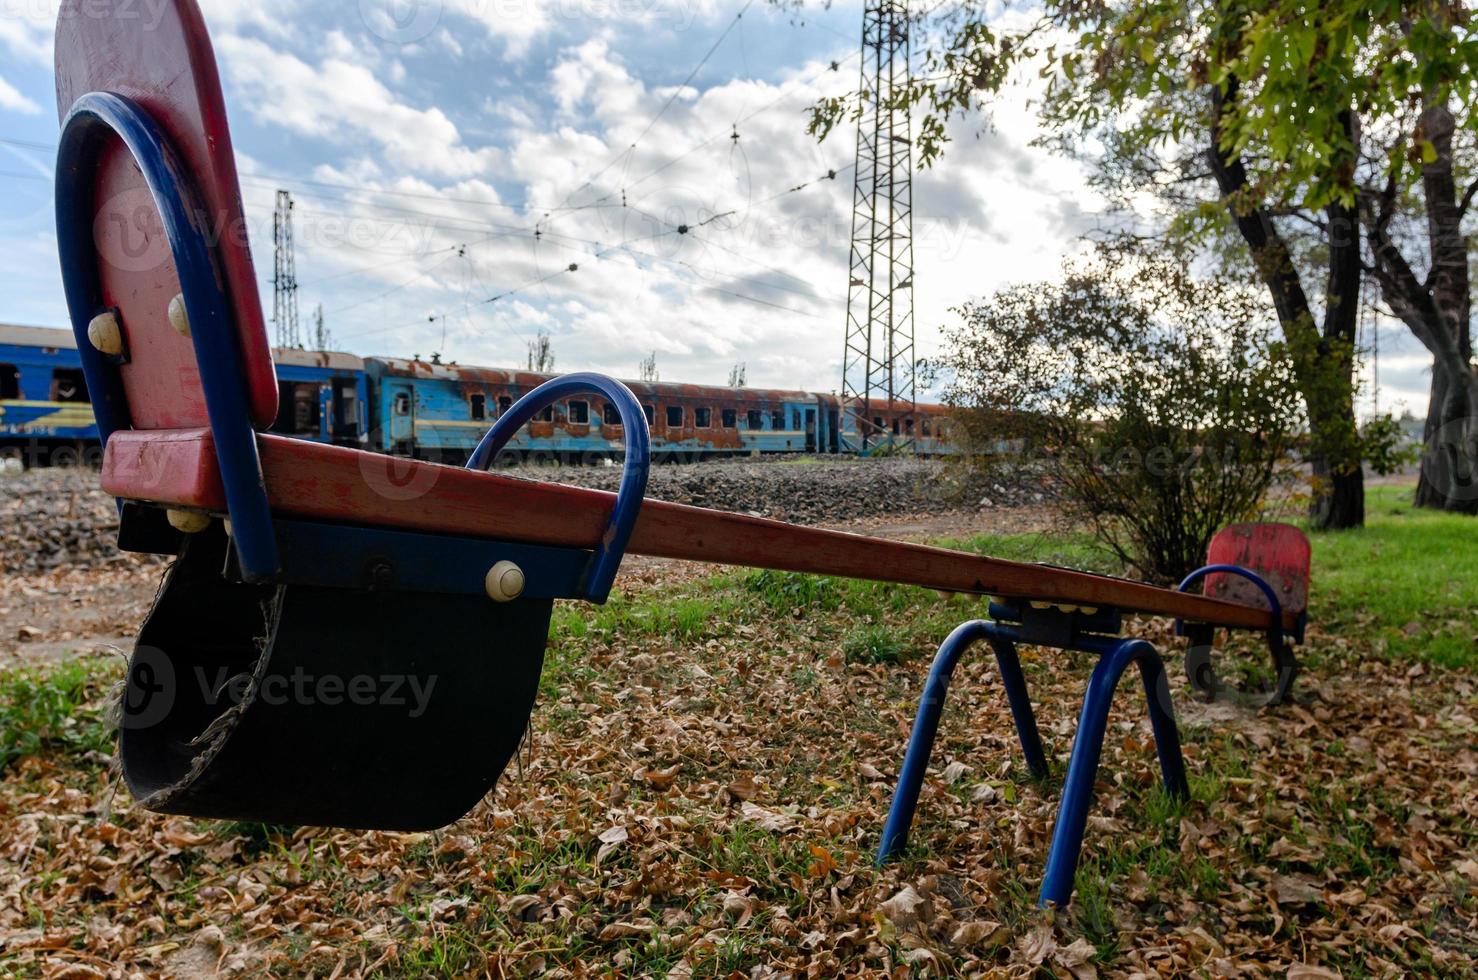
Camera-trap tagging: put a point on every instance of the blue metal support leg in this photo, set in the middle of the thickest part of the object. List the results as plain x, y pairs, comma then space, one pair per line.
926, 724
1072, 815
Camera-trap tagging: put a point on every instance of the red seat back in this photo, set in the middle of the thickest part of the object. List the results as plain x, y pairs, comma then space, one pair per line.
159, 56
1278, 552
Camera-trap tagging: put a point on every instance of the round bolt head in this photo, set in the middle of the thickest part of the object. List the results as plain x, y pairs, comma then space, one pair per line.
188, 521
178, 317
105, 333
504, 582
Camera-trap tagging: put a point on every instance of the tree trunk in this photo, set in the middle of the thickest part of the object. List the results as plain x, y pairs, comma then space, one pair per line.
1449, 474
1323, 363
1447, 479
1341, 502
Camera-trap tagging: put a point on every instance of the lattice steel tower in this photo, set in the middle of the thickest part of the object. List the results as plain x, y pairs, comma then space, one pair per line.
878, 362
284, 274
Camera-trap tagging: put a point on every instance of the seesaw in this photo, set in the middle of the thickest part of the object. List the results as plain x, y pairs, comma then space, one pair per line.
310, 579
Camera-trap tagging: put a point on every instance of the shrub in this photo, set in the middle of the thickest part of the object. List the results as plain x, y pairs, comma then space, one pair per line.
1159, 402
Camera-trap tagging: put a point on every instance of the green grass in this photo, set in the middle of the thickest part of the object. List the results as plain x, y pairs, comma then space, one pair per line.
1074, 549
873, 645
1408, 579
56, 708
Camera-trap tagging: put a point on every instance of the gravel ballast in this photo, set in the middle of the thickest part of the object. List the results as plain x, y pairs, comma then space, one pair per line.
54, 518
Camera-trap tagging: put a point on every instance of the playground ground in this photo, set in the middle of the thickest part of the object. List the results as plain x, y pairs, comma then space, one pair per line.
707, 774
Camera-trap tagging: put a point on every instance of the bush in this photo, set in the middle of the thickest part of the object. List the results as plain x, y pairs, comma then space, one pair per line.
1160, 402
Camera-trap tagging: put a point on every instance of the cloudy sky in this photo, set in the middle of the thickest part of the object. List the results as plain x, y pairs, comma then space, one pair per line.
445, 153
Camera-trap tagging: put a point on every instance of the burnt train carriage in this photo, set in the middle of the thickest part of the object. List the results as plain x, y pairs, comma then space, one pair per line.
922, 429
322, 396
439, 411
45, 414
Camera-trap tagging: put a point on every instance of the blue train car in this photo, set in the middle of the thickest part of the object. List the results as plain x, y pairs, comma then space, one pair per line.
321, 396
439, 411
45, 415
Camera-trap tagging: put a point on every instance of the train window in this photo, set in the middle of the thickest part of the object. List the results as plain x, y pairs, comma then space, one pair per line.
610, 415
777, 419
68, 385
650, 413
479, 405
877, 422
674, 416
547, 415
305, 409
10, 381
756, 419
730, 418
504, 404
924, 425
402, 403
702, 417
579, 413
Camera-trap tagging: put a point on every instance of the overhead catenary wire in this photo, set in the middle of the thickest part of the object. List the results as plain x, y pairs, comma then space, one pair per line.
666, 105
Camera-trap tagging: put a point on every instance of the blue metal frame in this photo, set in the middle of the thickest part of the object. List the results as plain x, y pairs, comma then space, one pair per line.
373, 558
606, 560
1067, 630
93, 122
1284, 661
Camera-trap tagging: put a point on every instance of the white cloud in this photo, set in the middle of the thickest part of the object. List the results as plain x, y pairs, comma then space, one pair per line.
339, 98
279, 18
26, 28
11, 98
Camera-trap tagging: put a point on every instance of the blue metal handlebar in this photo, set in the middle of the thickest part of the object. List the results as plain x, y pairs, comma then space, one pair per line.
1275, 634
612, 547
89, 128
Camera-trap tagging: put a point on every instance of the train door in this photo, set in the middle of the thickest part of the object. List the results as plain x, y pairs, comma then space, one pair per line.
833, 435
401, 405
326, 420
345, 411
810, 430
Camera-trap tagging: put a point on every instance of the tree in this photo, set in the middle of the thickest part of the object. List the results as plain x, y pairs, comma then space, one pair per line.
647, 369
1162, 408
1274, 133
323, 339
737, 376
541, 354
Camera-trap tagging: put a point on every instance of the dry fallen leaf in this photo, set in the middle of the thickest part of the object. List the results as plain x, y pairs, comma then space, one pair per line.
1303, 971
1292, 890
765, 818
972, 933
627, 930
903, 908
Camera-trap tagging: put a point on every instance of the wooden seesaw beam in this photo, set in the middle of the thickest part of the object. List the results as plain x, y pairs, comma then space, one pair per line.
310, 480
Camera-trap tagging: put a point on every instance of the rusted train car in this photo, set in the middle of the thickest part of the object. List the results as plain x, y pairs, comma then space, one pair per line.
439, 411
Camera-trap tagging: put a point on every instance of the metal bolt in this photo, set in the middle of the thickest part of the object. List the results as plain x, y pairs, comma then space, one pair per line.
179, 318
505, 582
105, 333
381, 574
188, 521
